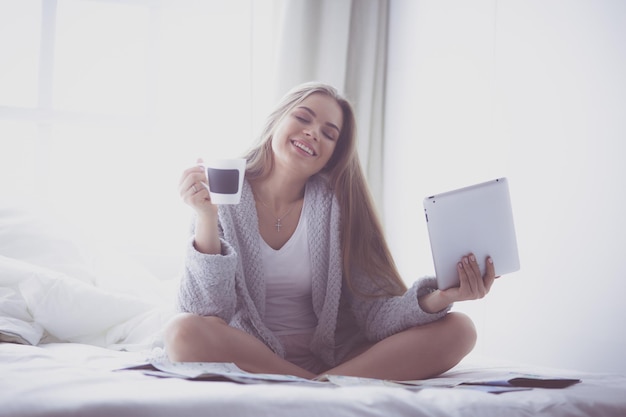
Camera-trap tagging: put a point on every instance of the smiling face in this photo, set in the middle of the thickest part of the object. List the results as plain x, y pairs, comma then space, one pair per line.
305, 138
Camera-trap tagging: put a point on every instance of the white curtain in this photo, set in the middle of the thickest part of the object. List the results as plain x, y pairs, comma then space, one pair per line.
343, 43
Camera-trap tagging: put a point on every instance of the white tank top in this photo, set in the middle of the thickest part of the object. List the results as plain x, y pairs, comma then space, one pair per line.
288, 277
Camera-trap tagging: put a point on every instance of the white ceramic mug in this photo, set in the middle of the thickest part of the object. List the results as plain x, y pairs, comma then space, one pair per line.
225, 179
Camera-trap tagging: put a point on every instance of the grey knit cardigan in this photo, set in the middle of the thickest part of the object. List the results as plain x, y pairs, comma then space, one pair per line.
231, 285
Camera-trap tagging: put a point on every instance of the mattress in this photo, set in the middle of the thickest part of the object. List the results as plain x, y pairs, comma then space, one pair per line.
66, 379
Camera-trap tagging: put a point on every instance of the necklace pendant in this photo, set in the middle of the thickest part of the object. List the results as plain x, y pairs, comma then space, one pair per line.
278, 225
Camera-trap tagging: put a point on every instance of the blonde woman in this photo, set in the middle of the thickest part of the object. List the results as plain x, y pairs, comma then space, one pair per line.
297, 278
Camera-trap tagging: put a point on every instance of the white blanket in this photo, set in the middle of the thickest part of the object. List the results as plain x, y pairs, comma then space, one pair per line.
38, 303
55, 285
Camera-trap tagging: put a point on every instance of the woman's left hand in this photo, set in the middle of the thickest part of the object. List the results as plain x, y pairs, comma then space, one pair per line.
472, 285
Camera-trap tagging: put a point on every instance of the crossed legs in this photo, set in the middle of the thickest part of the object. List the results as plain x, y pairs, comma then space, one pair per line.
191, 338
417, 353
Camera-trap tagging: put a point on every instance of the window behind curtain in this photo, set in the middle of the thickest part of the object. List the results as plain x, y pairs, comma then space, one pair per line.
104, 103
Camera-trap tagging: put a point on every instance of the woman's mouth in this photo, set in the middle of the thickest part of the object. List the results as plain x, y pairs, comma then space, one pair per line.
303, 147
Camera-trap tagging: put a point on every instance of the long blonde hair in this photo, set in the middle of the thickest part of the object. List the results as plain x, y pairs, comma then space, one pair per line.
363, 242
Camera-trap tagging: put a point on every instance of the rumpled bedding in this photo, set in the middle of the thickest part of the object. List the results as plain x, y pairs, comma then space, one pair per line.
56, 288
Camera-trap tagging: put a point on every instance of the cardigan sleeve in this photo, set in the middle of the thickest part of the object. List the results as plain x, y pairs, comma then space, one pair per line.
382, 317
207, 287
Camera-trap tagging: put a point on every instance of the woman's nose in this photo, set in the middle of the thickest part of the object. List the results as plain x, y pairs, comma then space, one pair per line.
311, 132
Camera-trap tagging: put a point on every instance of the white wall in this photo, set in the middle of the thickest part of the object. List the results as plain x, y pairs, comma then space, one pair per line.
533, 90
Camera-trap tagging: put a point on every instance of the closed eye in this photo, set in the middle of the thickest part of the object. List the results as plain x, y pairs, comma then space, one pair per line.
302, 115
329, 136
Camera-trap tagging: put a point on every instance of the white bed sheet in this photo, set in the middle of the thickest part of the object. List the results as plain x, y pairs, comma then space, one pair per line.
66, 379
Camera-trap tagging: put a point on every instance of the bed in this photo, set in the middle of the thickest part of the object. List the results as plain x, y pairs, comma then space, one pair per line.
66, 379
80, 328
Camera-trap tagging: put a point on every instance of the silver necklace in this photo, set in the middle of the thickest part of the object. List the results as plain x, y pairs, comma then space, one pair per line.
278, 223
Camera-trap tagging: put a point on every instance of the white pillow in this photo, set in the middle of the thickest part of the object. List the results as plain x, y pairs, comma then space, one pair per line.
16, 323
45, 240
67, 309
32, 237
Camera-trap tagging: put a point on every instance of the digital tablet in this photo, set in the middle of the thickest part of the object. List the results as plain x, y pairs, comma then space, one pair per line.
476, 219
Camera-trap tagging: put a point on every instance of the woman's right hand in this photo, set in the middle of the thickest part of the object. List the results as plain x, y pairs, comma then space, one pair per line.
194, 190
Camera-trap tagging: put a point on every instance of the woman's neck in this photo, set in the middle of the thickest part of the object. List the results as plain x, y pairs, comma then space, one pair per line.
278, 191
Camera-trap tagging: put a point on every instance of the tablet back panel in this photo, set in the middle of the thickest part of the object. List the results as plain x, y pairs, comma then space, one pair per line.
476, 219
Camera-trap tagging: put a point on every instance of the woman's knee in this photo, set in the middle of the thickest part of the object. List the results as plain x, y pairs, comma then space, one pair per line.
184, 328
463, 331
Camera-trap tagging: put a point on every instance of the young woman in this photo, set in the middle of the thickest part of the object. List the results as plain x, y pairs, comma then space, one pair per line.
297, 278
